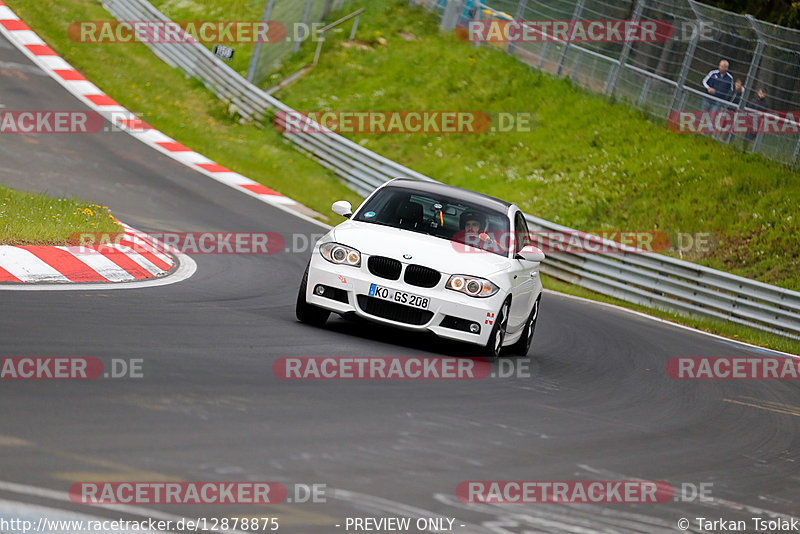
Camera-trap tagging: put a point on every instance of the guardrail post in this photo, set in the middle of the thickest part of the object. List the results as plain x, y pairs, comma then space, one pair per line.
355, 27
251, 71
303, 21
575, 15
687, 62
320, 40
626, 50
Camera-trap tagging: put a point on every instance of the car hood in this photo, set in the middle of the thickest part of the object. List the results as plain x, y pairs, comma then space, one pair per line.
440, 254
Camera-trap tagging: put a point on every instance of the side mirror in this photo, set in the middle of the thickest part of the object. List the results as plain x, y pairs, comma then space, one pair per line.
343, 208
530, 253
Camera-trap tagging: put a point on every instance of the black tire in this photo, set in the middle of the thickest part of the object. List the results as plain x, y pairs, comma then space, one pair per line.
305, 312
523, 345
494, 346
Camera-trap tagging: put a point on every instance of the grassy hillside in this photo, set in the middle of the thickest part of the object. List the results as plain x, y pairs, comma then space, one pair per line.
588, 163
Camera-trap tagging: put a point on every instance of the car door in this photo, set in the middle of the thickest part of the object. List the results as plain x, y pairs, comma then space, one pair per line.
523, 277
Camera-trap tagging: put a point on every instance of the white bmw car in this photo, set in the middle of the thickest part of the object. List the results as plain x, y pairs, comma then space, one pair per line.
427, 256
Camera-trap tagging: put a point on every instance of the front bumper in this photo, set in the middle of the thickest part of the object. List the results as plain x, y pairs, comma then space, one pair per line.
450, 312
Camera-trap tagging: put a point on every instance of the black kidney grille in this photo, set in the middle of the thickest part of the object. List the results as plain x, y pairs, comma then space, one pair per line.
393, 311
384, 267
417, 275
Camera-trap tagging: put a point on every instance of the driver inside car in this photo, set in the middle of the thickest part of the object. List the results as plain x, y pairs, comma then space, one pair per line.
474, 226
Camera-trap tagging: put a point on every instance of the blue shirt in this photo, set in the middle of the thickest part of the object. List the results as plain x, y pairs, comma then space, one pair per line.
722, 84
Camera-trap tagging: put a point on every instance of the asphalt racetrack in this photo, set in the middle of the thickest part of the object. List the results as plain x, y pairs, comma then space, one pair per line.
591, 401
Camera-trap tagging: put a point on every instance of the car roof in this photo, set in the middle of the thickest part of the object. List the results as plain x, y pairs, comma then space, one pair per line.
470, 197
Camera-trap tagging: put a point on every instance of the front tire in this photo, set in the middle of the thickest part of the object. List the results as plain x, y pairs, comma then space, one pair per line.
494, 346
522, 346
305, 312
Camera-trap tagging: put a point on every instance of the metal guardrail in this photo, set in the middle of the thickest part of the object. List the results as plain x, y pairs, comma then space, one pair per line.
649, 279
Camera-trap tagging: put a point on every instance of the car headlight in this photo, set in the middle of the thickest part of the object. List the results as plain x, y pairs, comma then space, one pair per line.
340, 254
472, 285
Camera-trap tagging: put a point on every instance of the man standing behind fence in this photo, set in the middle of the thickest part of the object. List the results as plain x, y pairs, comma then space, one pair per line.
718, 84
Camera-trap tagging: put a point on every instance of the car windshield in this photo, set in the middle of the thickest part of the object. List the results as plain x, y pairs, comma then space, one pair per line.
439, 216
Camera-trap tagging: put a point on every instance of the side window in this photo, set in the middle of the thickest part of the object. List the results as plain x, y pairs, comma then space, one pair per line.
522, 234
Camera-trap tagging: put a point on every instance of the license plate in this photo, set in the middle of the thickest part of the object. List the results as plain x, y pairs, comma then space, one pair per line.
400, 297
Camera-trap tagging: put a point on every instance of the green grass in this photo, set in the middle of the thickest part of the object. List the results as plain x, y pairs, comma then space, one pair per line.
182, 108
589, 164
34, 219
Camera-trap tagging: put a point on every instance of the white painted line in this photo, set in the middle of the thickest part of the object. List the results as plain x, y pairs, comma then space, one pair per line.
152, 136
677, 325
27, 267
84, 87
100, 264
54, 63
189, 158
27, 37
145, 242
138, 258
275, 199
233, 178
107, 110
7, 14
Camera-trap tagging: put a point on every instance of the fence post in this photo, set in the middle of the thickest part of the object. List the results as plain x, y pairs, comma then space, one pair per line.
251, 71
645, 89
751, 72
303, 21
451, 15
687, 62
544, 54
575, 15
576, 66
519, 16
626, 50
